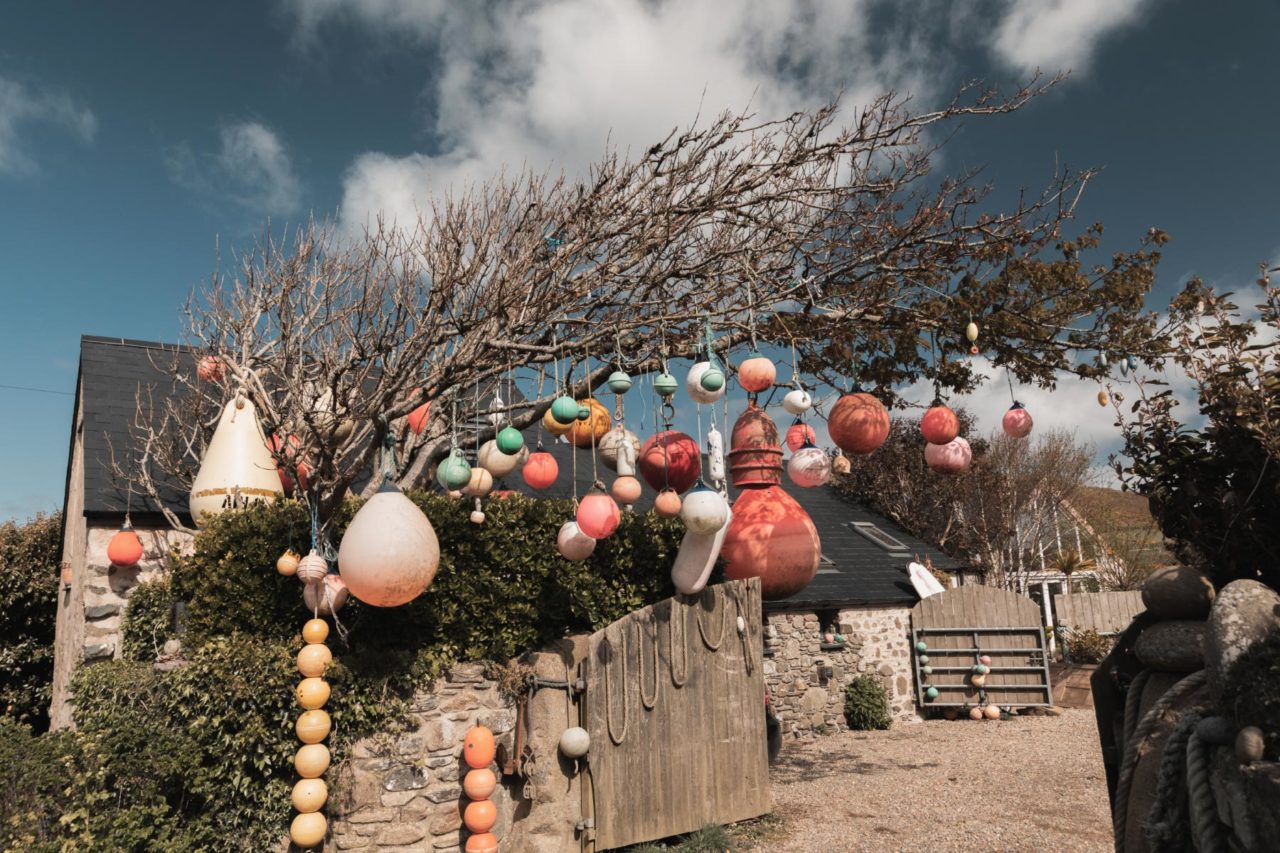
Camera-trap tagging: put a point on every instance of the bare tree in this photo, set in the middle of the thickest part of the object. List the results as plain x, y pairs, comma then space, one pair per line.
796, 231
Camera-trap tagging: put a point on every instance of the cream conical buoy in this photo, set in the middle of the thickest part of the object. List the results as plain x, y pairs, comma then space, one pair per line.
237, 469
389, 553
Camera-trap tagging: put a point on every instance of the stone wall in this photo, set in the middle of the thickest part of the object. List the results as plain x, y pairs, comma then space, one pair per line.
876, 643
403, 792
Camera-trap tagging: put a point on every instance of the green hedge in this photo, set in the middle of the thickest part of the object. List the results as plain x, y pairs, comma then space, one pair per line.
30, 557
200, 758
866, 705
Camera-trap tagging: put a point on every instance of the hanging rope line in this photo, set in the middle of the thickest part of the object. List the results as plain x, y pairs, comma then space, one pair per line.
724, 617
617, 738
657, 682
678, 608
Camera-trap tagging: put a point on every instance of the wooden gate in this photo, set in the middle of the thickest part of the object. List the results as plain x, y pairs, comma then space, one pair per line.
1104, 612
961, 625
675, 708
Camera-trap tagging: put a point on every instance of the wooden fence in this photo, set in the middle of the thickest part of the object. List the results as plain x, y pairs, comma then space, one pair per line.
1104, 612
675, 709
959, 626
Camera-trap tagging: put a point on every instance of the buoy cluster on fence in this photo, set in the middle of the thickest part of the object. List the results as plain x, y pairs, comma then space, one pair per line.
313, 725
480, 814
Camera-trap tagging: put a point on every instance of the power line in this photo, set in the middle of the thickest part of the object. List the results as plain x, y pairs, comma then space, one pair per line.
37, 390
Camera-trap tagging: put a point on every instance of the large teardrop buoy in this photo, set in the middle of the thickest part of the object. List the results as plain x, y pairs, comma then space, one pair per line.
237, 469
389, 554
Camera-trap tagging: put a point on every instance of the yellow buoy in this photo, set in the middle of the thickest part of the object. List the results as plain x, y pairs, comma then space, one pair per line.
553, 426
311, 761
313, 726
309, 795
308, 830
312, 693
314, 659
1103, 398
315, 631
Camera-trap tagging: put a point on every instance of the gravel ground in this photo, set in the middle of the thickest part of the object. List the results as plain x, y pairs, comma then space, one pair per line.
1029, 783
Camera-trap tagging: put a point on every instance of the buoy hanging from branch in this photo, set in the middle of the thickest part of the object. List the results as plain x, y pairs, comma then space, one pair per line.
797, 402
612, 450
672, 459
326, 597
1017, 421
210, 368
541, 470
573, 543
799, 434
310, 792
939, 425
757, 373
124, 551
858, 423
704, 511
705, 383
237, 469
809, 467
598, 515
587, 431
667, 503
389, 553
953, 457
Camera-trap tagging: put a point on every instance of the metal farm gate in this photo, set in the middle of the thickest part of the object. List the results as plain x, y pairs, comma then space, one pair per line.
961, 625
675, 708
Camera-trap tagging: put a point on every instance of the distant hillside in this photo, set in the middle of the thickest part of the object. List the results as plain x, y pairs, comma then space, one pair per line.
1125, 529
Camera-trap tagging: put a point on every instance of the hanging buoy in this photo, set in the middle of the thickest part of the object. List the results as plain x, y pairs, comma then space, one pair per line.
1017, 421
1103, 399
479, 783
973, 350
574, 545
312, 693
954, 457
1102, 360
313, 726
613, 443
309, 795
704, 511
210, 368
485, 842
389, 553
564, 409
1124, 367
626, 490
477, 516
809, 467
588, 431
315, 631
797, 402
418, 418
553, 426
479, 816
715, 456
480, 484
478, 747
289, 449
696, 387
985, 660
497, 413
939, 425
287, 564
311, 760
665, 385
667, 503
1132, 362
799, 434
454, 471
584, 412
308, 830
541, 470
841, 465
314, 659
978, 680
598, 515
619, 382
757, 373
575, 742
312, 567
672, 459
124, 551
237, 469
858, 423
697, 556
498, 462
931, 693
971, 331
510, 440
326, 597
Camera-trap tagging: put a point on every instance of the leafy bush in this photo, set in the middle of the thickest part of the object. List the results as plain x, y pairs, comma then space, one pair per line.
866, 705
1087, 646
1251, 692
148, 620
30, 556
33, 775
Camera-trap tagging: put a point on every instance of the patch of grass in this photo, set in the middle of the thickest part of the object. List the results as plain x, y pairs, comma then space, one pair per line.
712, 838
750, 834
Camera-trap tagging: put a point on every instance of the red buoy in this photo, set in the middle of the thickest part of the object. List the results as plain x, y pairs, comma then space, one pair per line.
672, 459
939, 425
858, 423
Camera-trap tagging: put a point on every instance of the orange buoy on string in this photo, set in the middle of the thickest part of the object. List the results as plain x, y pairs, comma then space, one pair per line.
939, 425
124, 551
858, 423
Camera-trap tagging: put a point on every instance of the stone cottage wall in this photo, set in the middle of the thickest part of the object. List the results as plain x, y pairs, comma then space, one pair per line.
876, 643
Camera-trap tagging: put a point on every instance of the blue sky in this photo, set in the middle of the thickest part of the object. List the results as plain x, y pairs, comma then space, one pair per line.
135, 139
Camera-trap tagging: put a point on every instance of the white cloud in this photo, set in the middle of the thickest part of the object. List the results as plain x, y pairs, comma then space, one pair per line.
1058, 34
251, 166
21, 106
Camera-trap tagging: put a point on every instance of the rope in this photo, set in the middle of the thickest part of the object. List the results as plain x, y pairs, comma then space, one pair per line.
684, 644
1132, 699
1141, 732
657, 682
1167, 827
1206, 831
724, 617
608, 695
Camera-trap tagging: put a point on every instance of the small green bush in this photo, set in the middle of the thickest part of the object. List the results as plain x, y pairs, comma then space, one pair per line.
1251, 692
148, 620
30, 560
866, 705
33, 776
1087, 646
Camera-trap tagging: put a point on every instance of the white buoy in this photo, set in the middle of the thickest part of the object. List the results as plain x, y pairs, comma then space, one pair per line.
237, 469
389, 554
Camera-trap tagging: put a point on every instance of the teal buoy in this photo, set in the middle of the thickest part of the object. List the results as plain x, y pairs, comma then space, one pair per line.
564, 410
665, 384
454, 472
510, 440
922, 646
980, 669
931, 693
924, 659
712, 379
619, 382
1132, 362
584, 412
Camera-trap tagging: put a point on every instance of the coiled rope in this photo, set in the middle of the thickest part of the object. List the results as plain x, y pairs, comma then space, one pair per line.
1206, 831
678, 608
657, 682
724, 615
608, 694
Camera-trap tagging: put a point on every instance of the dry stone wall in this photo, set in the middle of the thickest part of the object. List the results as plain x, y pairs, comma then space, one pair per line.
809, 701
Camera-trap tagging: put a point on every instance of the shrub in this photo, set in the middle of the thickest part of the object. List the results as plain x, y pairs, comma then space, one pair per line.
866, 705
30, 556
1087, 646
148, 620
33, 776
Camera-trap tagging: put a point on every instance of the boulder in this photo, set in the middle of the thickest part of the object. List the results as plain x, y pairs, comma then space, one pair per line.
1245, 613
1176, 646
1177, 592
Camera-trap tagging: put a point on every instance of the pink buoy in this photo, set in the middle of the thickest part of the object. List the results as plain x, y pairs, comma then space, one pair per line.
598, 515
953, 457
1017, 421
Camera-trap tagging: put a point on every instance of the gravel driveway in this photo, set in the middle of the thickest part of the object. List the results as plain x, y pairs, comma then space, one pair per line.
1030, 783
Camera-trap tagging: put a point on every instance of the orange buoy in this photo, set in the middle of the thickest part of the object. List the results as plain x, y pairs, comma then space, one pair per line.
667, 503
485, 842
315, 631
287, 564
478, 747
309, 795
939, 425
586, 433
626, 490
859, 423
757, 373
479, 784
598, 515
309, 829
125, 548
311, 760
480, 816
541, 470
672, 459
313, 726
312, 693
314, 659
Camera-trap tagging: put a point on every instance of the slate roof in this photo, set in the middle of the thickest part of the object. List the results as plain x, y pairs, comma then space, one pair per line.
855, 569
